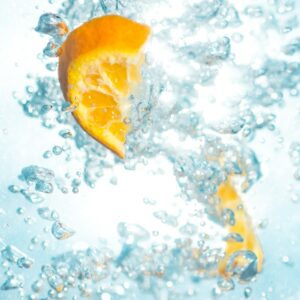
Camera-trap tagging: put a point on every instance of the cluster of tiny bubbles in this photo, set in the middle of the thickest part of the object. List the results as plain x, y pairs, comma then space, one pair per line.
45, 101
38, 181
54, 26
13, 262
100, 271
271, 80
294, 153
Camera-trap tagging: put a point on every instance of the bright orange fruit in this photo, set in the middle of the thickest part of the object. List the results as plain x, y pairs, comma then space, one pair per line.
229, 199
99, 66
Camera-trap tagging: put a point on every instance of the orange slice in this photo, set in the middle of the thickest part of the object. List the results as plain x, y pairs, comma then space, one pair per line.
230, 200
99, 67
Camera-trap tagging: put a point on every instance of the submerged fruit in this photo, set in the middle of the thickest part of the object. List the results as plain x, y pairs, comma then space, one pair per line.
244, 240
99, 66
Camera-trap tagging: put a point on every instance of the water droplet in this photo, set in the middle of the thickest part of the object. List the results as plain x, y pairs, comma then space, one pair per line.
61, 231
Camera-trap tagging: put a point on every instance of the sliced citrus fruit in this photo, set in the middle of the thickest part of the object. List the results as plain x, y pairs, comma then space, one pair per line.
99, 67
241, 227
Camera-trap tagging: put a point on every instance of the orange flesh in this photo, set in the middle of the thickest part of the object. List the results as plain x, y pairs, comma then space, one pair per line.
99, 67
229, 199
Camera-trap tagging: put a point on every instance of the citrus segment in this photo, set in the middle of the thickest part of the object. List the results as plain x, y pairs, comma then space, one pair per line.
230, 200
99, 67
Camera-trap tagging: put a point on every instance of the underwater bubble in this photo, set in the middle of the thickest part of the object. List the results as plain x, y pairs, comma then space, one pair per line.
44, 187
33, 198
188, 229
37, 286
61, 231
166, 218
133, 232
159, 248
25, 262
52, 49
206, 9
66, 133
114, 180
225, 284
14, 189
297, 174
234, 237
254, 11
52, 25
12, 254
34, 173
45, 213
13, 282
57, 150
228, 217
20, 210
47, 154
285, 6
56, 282
287, 261
293, 47
105, 296
51, 66
35, 240
242, 264
247, 292
69, 108
295, 198
294, 153
148, 201
237, 37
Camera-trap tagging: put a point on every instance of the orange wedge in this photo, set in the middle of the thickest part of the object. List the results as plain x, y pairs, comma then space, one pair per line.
99, 67
230, 200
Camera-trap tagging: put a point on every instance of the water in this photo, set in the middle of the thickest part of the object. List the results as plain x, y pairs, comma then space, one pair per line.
220, 83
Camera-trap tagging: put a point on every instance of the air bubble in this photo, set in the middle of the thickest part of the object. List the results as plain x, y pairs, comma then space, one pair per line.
61, 231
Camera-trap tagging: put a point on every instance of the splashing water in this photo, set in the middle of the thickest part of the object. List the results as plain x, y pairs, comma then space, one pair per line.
203, 101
